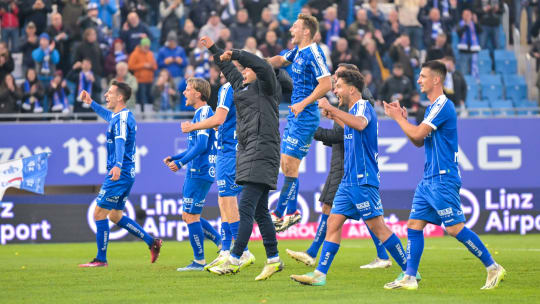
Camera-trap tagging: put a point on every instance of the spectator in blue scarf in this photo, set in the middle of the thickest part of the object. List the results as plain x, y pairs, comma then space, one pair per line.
58, 93
33, 93
469, 44
331, 27
46, 58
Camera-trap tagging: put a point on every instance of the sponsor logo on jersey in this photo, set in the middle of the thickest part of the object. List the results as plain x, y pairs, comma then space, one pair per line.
445, 212
363, 205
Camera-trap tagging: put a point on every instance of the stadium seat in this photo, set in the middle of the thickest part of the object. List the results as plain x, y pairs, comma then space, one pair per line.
478, 108
516, 92
484, 65
527, 107
505, 62
502, 107
473, 88
491, 87
484, 54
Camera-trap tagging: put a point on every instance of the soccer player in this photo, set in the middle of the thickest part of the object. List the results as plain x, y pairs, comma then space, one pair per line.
121, 165
228, 190
436, 199
358, 194
334, 138
200, 158
311, 81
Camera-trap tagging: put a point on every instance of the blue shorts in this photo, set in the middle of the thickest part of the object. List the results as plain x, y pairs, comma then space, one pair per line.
297, 137
437, 203
113, 194
357, 202
194, 195
226, 174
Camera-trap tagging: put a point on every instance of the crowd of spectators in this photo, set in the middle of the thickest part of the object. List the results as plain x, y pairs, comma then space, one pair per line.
66, 46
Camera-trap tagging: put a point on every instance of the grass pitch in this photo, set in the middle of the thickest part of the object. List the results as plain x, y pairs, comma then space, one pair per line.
49, 274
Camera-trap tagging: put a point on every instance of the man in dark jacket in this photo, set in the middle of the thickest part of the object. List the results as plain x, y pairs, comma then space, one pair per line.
334, 138
398, 87
257, 93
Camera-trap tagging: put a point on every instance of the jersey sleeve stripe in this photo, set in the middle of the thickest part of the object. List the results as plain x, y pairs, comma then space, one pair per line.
319, 61
434, 114
123, 125
223, 91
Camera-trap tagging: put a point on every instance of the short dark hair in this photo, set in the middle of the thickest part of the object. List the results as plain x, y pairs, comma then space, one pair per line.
310, 23
348, 66
123, 89
436, 66
353, 78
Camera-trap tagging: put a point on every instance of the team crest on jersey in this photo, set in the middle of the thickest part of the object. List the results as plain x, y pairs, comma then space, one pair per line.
212, 172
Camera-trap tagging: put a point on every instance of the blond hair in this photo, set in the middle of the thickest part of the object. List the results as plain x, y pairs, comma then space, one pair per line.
200, 85
310, 23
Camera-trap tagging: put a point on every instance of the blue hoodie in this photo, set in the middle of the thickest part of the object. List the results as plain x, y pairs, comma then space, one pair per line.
176, 70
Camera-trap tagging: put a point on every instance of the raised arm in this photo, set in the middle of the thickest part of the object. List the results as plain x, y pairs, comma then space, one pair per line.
191, 153
227, 68
416, 134
329, 136
278, 61
213, 121
358, 122
101, 111
265, 72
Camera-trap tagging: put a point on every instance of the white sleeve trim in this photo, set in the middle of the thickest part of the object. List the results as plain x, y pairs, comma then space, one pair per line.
429, 124
223, 107
122, 137
319, 61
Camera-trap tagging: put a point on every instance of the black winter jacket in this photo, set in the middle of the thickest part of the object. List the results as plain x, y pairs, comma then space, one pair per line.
333, 138
257, 118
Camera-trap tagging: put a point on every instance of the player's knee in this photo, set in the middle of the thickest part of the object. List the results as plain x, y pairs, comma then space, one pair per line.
115, 217
100, 213
190, 218
455, 230
290, 165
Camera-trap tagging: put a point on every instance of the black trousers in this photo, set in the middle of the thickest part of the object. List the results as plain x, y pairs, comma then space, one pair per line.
254, 205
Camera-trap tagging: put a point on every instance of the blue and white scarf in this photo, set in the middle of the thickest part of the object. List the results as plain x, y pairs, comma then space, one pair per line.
469, 42
333, 33
436, 28
60, 101
120, 56
165, 97
27, 104
45, 64
85, 84
202, 70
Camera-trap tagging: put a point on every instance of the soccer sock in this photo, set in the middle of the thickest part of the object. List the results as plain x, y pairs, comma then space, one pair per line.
132, 227
319, 237
226, 236
328, 252
475, 246
284, 195
415, 247
196, 238
102, 239
210, 233
381, 251
393, 245
234, 231
292, 199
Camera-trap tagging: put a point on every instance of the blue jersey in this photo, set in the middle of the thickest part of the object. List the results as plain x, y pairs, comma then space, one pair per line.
226, 135
122, 125
308, 66
441, 145
361, 148
203, 164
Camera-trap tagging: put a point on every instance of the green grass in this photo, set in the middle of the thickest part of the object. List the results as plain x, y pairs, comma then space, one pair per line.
49, 273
